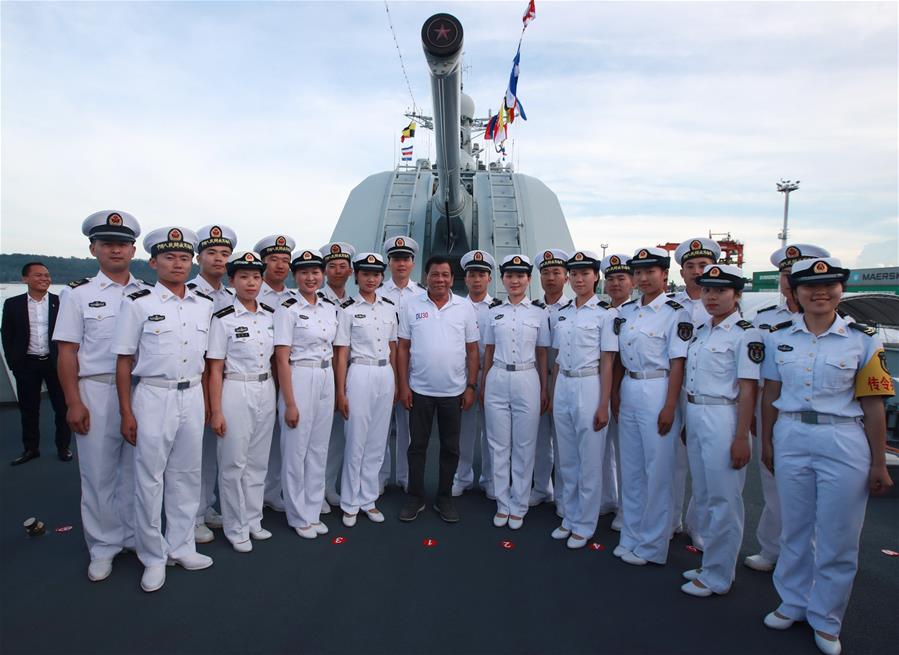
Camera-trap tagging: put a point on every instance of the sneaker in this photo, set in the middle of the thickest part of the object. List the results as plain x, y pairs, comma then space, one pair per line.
447, 510
213, 519
759, 563
202, 534
412, 508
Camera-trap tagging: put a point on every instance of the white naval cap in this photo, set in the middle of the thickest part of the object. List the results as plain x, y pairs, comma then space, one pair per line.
616, 263
551, 257
650, 257
516, 264
111, 225
216, 235
721, 275
400, 246
818, 270
477, 260
305, 259
336, 250
170, 239
274, 243
369, 261
244, 261
583, 259
698, 247
790, 254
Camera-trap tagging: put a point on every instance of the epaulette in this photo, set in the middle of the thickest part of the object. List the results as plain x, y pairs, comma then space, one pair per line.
766, 309
149, 284
566, 305
191, 285
539, 303
861, 327
346, 303
671, 295
780, 326
629, 302
228, 291
326, 299
222, 313
604, 304
139, 294
203, 295
288, 302
266, 307
387, 300
74, 284
494, 303
744, 324
674, 304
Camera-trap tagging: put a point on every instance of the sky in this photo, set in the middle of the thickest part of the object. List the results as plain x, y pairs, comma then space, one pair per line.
651, 121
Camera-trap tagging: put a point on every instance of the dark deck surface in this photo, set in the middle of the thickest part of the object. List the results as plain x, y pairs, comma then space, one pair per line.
383, 592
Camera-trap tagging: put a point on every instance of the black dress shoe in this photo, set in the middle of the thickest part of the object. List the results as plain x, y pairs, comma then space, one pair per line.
65, 455
447, 510
27, 456
412, 508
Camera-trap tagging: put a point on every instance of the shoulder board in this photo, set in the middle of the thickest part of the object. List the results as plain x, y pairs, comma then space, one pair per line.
222, 313
326, 299
671, 295
744, 324
74, 284
703, 325
539, 303
766, 309
861, 327
228, 291
288, 302
566, 305
139, 294
629, 302
149, 284
203, 295
191, 285
604, 304
674, 304
780, 326
387, 300
494, 303
347, 303
266, 307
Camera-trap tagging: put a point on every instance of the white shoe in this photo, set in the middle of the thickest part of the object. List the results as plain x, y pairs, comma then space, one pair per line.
202, 534
320, 528
458, 491
538, 499
620, 550
697, 542
692, 574
694, 589
828, 646
349, 520
99, 569
307, 533
576, 542
261, 534
515, 524
153, 578
192, 562
332, 499
759, 563
500, 520
242, 546
617, 523
560, 533
326, 508
631, 558
375, 515
213, 519
275, 507
775, 622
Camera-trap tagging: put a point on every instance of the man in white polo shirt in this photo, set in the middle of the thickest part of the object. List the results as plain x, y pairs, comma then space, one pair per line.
437, 362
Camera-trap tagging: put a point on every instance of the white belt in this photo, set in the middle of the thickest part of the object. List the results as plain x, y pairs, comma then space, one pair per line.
312, 363
369, 362
814, 418
105, 378
581, 372
513, 367
250, 377
647, 375
180, 385
709, 400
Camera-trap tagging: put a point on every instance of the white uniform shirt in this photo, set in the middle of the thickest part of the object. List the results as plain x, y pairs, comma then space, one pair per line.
308, 329
221, 297
767, 317
400, 295
87, 316
244, 339
694, 308
367, 328
583, 333
650, 336
720, 356
274, 298
333, 297
437, 364
515, 331
552, 310
170, 334
818, 373
38, 325
481, 312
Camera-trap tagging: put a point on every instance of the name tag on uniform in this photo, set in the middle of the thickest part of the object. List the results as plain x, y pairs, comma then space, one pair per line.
561, 318
784, 348
97, 303
156, 317
304, 317
498, 316
361, 315
241, 331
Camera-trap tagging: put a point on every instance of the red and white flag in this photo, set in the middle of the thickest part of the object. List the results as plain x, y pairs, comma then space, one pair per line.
529, 14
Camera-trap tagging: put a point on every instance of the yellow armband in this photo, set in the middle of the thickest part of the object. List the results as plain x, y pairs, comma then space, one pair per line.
874, 379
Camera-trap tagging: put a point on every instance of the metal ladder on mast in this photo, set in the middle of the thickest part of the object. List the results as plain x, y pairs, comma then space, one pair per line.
506, 220
397, 219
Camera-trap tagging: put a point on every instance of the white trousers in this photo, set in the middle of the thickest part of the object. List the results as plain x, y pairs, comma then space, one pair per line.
370, 392
696, 511
822, 478
334, 463
610, 467
249, 409
304, 449
272, 494
166, 468
581, 451
399, 442
718, 487
768, 530
545, 458
472, 435
208, 473
106, 464
512, 415
647, 468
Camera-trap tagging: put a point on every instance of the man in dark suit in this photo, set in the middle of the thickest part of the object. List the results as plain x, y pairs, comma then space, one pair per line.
28, 322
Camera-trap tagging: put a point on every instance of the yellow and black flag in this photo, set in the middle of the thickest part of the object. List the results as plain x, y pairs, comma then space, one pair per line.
409, 132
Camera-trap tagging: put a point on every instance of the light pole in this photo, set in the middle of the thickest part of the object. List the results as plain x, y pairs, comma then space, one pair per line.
785, 187
603, 281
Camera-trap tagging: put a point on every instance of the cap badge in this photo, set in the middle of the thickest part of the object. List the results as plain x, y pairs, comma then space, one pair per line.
715, 272
643, 254
280, 241
307, 255
547, 255
578, 256
370, 259
174, 234
249, 257
820, 267
335, 248
479, 256
114, 219
696, 245
215, 232
614, 260
516, 259
399, 243
792, 251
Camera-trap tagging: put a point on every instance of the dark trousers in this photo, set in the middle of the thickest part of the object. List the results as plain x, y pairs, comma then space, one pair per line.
29, 376
421, 419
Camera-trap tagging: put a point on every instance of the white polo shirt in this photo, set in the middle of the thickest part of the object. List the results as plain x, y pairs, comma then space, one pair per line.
437, 364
